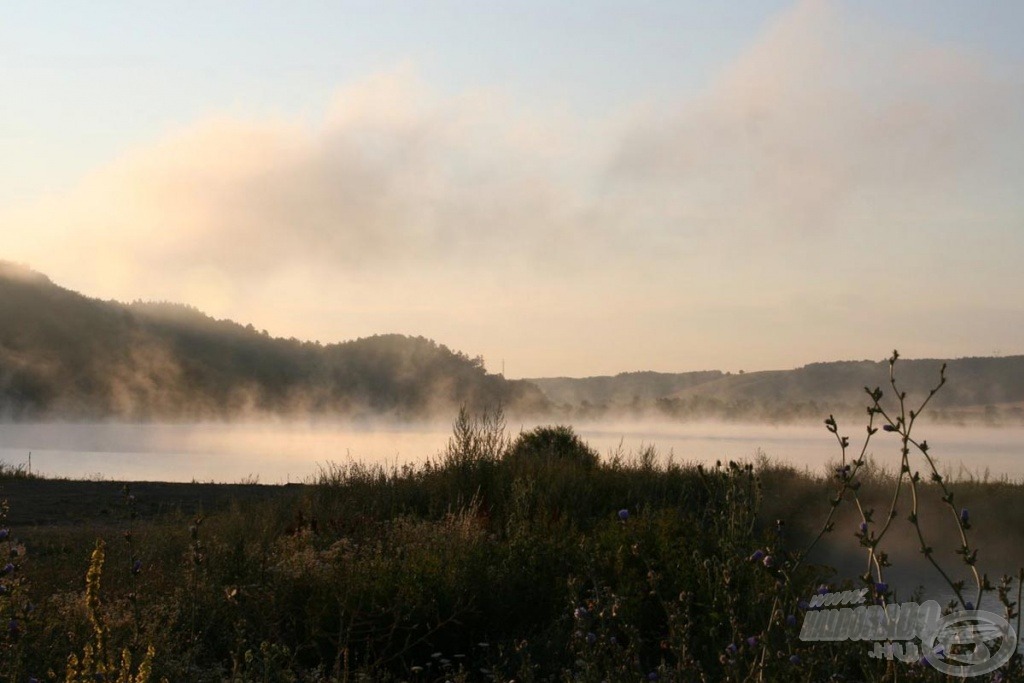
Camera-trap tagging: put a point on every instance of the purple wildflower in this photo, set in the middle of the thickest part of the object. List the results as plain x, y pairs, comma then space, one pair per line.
757, 555
794, 659
791, 620
623, 514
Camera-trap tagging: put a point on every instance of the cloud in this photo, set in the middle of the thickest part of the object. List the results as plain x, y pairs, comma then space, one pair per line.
825, 116
829, 137
394, 174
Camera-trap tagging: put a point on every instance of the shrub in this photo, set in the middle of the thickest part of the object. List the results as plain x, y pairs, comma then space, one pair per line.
559, 443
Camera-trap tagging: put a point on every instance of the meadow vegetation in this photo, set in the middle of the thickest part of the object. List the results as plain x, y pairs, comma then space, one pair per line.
504, 558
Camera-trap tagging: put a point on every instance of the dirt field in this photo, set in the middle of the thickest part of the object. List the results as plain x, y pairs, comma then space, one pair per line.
36, 502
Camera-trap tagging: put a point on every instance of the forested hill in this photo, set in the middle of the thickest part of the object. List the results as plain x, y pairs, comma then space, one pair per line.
67, 356
977, 389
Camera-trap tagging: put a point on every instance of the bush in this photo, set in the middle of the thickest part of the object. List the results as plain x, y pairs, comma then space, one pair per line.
559, 443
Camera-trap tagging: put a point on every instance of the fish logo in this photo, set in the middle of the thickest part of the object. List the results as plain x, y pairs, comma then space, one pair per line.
970, 643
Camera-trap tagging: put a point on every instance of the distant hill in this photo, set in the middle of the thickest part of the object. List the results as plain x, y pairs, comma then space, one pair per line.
67, 356
977, 389
623, 389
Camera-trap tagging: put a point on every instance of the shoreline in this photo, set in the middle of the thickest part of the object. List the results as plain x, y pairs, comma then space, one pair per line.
38, 501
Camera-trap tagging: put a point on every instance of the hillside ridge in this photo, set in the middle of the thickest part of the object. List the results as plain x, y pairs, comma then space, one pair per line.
64, 355
989, 389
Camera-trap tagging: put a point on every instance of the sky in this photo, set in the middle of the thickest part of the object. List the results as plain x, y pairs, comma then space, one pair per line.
563, 188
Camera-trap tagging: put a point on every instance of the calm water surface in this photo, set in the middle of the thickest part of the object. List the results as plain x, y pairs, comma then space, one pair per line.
290, 452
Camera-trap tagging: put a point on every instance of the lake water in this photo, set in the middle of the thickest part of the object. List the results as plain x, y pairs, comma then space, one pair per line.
291, 452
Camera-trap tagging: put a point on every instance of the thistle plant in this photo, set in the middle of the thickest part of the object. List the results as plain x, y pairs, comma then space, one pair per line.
98, 662
915, 456
134, 562
197, 555
14, 606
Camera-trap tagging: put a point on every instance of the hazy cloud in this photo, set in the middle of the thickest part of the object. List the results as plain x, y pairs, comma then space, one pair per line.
829, 137
827, 120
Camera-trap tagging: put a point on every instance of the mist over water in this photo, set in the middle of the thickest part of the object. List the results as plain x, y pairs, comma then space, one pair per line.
273, 452
282, 452
960, 450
